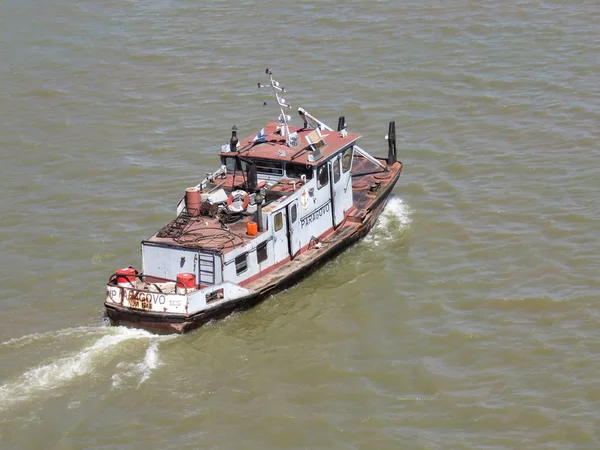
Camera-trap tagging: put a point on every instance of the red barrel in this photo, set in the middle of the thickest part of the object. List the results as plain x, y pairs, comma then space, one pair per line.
192, 201
126, 277
187, 279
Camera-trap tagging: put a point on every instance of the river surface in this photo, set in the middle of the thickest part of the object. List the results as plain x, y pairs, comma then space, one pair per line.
467, 319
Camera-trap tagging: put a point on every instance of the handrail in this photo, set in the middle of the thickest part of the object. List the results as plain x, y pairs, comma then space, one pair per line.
303, 113
113, 280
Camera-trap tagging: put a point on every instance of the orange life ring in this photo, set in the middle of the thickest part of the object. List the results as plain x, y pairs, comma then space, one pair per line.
238, 201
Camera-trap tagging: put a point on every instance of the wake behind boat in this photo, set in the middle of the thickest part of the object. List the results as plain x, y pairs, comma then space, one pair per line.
283, 202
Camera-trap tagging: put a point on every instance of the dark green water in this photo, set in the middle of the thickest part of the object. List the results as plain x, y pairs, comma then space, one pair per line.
468, 319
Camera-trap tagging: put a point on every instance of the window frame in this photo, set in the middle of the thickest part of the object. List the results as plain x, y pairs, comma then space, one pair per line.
239, 263
348, 151
294, 212
325, 168
280, 215
337, 170
232, 163
269, 167
260, 248
302, 169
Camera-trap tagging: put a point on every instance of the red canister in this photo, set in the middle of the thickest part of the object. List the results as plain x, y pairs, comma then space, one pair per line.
187, 279
126, 277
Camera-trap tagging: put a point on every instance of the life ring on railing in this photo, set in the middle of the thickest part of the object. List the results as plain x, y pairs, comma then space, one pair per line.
238, 201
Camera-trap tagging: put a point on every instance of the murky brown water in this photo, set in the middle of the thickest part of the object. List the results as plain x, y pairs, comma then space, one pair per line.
467, 319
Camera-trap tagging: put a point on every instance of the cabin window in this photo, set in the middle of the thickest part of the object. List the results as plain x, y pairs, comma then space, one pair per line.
336, 170
241, 264
294, 213
322, 176
347, 159
261, 252
269, 167
230, 163
278, 221
297, 170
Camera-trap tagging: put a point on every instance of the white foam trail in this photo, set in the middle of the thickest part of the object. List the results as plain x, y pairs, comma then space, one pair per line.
151, 361
60, 372
143, 369
395, 218
31, 338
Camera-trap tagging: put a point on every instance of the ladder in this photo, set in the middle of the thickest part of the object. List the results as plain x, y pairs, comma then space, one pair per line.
175, 228
206, 268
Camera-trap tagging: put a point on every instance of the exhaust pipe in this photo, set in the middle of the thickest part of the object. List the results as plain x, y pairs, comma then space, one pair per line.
391, 137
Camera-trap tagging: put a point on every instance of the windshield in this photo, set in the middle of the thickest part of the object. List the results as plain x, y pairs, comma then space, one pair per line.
230, 163
297, 170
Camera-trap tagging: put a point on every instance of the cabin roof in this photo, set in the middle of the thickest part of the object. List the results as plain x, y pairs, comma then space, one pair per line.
274, 146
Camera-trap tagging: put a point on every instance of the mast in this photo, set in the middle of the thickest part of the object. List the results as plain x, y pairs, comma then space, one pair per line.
291, 139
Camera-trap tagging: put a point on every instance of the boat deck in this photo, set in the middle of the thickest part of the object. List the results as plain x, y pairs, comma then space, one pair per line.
367, 181
210, 234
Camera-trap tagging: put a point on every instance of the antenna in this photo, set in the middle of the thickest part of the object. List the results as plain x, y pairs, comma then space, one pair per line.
291, 139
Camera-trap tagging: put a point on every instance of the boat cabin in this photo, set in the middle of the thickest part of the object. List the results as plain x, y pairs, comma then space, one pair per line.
267, 203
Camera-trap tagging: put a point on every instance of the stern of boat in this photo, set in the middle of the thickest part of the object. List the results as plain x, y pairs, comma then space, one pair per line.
162, 305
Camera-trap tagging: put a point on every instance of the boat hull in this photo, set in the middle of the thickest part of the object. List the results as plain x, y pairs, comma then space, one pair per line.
180, 323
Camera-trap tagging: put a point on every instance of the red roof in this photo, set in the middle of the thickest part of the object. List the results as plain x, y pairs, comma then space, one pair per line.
275, 148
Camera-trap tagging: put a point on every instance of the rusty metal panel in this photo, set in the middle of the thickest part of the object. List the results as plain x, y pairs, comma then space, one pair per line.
114, 294
154, 301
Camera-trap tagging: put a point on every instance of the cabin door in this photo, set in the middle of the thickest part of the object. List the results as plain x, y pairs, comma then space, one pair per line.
337, 190
293, 228
280, 235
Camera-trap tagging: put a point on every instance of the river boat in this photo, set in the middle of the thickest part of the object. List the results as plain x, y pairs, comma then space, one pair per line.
282, 202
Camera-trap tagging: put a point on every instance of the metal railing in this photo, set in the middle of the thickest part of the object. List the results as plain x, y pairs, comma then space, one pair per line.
146, 279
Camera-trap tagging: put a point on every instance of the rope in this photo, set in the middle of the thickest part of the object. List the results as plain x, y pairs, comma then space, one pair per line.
225, 239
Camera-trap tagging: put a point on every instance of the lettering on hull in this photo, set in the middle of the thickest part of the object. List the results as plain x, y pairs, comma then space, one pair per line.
315, 215
113, 294
150, 301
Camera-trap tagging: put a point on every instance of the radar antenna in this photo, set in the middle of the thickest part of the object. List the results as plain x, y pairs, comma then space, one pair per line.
290, 138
